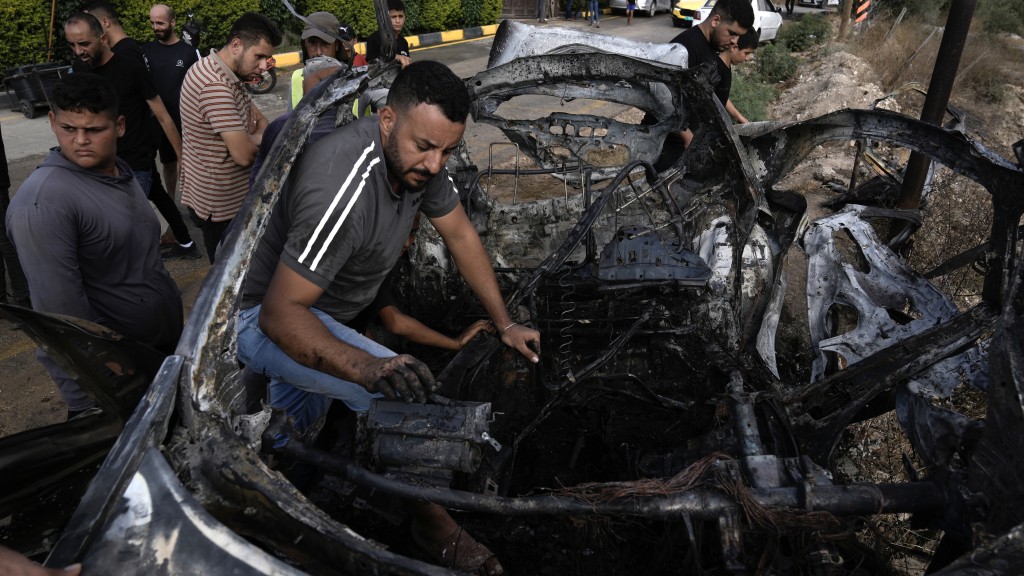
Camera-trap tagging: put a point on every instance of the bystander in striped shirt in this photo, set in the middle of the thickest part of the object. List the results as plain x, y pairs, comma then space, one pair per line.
213, 100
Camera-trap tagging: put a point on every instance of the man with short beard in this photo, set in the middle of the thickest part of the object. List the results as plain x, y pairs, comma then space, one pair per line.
120, 43
169, 60
221, 126
334, 235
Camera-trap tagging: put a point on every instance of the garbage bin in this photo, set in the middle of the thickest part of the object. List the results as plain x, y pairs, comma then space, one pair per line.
30, 87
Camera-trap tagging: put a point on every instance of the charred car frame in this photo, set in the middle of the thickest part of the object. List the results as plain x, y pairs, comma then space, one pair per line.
663, 431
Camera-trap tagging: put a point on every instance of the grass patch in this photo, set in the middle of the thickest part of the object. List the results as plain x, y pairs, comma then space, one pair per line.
991, 67
805, 33
774, 64
756, 85
751, 96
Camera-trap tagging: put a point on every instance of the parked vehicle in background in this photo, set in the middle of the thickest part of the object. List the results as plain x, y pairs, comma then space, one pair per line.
648, 7
767, 17
685, 12
818, 3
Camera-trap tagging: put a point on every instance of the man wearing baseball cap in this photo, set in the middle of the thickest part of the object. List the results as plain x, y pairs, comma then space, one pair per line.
323, 35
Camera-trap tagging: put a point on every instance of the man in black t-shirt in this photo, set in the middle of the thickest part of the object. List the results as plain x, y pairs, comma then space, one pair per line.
119, 42
137, 99
397, 10
136, 94
729, 20
169, 59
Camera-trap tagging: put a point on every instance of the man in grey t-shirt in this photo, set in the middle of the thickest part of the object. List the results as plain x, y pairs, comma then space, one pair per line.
332, 239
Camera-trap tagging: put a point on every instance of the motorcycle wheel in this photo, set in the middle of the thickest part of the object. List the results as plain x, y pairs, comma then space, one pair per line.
267, 82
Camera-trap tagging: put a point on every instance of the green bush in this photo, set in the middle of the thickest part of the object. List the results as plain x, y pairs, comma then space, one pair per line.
774, 64
276, 11
437, 15
217, 17
750, 96
25, 23
808, 31
481, 12
23, 27
357, 14
420, 15
1001, 15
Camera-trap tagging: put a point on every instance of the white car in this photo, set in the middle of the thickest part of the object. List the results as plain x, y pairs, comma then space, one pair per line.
649, 7
767, 17
818, 3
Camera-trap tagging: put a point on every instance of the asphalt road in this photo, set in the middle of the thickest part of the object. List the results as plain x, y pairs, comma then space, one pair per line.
30, 399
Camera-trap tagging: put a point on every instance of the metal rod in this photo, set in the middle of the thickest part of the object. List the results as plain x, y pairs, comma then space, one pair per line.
857, 499
746, 420
895, 24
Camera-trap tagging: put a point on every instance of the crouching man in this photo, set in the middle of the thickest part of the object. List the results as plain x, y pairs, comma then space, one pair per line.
336, 232
85, 234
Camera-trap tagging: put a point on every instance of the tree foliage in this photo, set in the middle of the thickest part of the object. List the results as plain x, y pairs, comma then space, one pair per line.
438, 15
279, 14
24, 26
420, 15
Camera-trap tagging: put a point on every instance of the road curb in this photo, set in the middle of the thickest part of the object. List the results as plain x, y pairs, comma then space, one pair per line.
286, 59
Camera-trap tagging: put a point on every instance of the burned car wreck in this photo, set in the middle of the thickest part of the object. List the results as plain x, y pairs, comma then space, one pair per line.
667, 429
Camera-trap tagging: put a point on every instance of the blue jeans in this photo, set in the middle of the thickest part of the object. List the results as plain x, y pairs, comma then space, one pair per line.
145, 180
595, 11
304, 393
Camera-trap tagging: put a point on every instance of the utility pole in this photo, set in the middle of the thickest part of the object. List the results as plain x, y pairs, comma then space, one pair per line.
958, 23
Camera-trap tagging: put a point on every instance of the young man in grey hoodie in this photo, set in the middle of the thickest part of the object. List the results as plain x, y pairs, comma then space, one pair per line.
86, 235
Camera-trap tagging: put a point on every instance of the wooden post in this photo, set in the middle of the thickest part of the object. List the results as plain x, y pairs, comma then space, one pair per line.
845, 9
